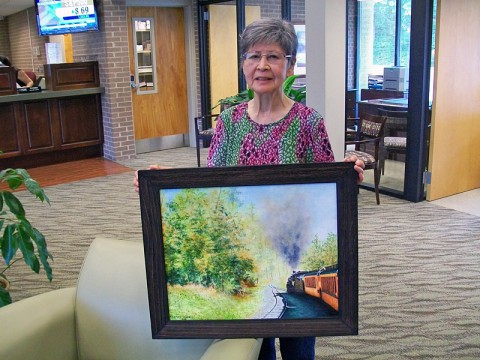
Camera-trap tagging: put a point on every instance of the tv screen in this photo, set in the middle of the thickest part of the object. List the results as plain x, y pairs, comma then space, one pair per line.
56, 17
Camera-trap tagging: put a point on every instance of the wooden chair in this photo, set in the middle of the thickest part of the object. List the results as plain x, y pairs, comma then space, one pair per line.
367, 146
395, 139
203, 131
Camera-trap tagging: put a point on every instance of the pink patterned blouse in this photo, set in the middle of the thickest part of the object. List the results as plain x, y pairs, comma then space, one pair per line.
300, 137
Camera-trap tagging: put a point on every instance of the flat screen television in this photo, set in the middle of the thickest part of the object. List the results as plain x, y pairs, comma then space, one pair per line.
56, 17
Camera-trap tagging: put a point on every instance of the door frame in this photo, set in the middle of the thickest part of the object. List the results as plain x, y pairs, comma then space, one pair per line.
190, 55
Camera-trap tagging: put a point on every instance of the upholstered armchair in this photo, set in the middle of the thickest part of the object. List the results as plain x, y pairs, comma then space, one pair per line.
368, 138
105, 317
395, 139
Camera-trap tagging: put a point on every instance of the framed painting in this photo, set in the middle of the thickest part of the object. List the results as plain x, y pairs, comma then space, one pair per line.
264, 251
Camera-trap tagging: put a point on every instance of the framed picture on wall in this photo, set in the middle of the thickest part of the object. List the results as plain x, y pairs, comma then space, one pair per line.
261, 251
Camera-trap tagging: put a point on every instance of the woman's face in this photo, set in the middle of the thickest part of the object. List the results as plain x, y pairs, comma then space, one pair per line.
267, 69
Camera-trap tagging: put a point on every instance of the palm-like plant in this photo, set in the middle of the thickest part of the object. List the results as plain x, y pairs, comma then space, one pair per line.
298, 94
16, 232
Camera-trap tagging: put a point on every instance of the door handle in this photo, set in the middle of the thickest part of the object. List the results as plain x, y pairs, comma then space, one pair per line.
133, 85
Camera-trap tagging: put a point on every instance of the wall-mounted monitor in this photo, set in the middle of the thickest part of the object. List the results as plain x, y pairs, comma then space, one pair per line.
56, 17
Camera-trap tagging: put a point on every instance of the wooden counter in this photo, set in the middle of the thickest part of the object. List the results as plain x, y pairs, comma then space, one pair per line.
372, 106
49, 127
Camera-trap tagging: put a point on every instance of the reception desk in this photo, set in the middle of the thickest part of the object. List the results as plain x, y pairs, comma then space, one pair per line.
48, 127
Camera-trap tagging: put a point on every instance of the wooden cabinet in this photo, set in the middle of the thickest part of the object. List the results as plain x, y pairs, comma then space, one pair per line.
38, 125
8, 80
68, 76
10, 134
47, 131
61, 124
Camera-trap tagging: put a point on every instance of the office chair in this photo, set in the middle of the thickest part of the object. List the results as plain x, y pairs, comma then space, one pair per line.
367, 143
203, 131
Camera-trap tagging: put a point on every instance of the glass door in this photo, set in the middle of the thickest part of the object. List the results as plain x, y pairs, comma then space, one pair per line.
144, 56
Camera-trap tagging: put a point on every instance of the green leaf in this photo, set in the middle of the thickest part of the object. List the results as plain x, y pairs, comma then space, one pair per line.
9, 243
288, 83
11, 176
14, 205
1, 200
23, 173
36, 190
5, 297
26, 247
43, 253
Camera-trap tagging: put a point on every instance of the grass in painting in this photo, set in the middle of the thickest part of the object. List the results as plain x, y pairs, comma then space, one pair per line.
193, 302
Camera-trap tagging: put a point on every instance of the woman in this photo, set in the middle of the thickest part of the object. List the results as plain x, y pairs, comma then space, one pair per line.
271, 129
22, 78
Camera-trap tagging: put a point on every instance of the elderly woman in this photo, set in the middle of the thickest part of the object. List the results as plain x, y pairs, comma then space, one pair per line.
272, 129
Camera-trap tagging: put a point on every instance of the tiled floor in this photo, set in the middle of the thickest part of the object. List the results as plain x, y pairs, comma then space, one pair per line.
468, 202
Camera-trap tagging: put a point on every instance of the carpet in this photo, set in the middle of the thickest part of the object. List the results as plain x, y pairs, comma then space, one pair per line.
419, 264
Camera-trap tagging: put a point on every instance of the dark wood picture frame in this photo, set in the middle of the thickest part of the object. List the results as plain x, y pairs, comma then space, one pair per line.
343, 175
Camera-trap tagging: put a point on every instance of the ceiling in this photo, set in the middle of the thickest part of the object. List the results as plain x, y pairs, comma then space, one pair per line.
9, 7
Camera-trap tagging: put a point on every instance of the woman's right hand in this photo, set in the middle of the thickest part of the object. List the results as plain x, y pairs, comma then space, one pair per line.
151, 167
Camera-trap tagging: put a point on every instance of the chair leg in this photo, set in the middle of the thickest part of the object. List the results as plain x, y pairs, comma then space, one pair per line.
198, 153
376, 179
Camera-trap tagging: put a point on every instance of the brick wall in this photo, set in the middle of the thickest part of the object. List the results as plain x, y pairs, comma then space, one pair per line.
109, 47
23, 38
4, 39
352, 14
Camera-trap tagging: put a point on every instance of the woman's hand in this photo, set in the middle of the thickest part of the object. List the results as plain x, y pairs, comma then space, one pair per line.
359, 166
151, 167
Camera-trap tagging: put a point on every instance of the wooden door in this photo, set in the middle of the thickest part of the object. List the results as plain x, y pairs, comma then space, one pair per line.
161, 117
454, 165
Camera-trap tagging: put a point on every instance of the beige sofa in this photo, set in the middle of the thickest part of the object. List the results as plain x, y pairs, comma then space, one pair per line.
105, 317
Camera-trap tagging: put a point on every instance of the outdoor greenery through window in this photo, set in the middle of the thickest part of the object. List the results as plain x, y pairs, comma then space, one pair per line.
382, 40
384, 37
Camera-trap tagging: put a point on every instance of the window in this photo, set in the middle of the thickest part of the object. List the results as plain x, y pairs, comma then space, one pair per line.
383, 36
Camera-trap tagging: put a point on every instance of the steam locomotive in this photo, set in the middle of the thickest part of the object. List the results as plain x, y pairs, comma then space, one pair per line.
322, 284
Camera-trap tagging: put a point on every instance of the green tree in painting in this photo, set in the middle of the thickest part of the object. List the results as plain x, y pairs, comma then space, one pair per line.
321, 253
204, 242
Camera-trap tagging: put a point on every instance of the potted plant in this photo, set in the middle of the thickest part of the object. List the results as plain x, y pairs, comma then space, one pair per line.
233, 100
297, 94
16, 232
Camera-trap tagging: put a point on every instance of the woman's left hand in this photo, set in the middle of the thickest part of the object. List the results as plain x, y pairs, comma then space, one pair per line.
359, 166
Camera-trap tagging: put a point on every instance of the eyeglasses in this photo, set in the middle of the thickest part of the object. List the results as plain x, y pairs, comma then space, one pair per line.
273, 58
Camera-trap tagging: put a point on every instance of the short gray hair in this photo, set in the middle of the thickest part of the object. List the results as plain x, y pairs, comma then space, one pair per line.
270, 31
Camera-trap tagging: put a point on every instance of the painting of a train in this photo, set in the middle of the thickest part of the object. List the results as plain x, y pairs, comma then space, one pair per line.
322, 284
241, 252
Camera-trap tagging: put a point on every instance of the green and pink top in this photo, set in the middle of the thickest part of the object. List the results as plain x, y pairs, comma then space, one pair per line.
299, 137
